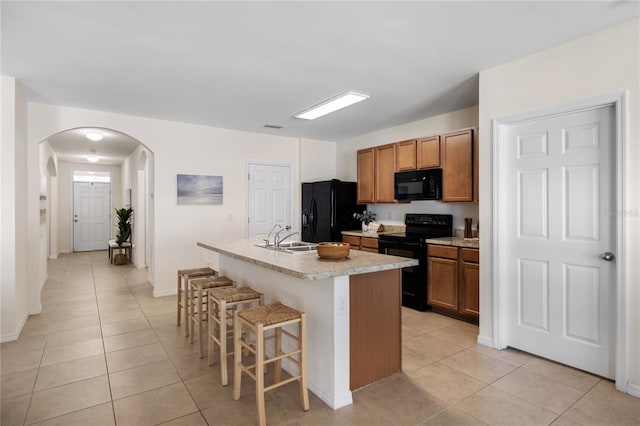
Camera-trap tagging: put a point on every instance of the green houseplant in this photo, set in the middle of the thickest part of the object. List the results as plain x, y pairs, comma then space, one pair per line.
124, 233
366, 217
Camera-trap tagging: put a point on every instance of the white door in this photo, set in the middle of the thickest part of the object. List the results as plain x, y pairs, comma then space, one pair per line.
91, 216
561, 196
269, 203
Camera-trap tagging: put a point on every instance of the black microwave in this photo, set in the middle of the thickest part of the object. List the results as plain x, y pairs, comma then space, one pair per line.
418, 185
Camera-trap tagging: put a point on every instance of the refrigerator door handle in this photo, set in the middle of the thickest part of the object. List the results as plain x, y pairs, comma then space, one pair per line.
314, 217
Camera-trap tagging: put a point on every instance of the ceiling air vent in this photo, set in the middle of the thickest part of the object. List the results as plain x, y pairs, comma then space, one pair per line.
273, 126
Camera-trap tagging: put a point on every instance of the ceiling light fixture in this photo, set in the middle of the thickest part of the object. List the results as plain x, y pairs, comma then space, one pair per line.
94, 136
330, 105
92, 158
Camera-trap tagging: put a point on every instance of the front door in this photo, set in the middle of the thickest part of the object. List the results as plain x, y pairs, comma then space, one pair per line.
269, 193
560, 200
91, 215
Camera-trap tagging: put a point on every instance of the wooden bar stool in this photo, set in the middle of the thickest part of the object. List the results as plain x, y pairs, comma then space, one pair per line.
222, 303
198, 301
259, 320
184, 275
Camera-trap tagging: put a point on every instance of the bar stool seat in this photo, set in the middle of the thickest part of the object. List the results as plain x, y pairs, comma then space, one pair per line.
259, 320
184, 275
222, 303
198, 301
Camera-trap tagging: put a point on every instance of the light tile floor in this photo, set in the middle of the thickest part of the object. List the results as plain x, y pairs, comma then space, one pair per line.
104, 352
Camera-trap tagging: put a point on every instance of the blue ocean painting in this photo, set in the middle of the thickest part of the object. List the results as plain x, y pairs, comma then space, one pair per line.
199, 189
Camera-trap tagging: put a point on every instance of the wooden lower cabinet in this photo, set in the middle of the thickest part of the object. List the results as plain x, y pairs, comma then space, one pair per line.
453, 286
353, 241
369, 244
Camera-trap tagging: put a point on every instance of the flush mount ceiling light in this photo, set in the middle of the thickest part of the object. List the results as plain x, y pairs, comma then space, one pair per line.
92, 158
330, 105
94, 136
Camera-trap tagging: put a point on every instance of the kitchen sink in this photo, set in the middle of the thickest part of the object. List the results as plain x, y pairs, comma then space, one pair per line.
291, 247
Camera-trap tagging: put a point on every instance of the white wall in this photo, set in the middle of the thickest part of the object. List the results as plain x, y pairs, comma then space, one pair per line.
599, 64
140, 161
65, 199
180, 148
317, 160
47, 160
393, 214
17, 283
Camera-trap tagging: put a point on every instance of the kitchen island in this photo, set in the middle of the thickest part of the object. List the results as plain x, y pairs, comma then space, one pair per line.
352, 306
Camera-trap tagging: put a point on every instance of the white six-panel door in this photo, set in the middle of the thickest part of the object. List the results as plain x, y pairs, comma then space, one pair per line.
561, 199
91, 216
269, 198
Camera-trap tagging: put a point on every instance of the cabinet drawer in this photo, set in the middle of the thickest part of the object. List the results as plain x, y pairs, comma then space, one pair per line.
443, 251
369, 242
354, 242
470, 255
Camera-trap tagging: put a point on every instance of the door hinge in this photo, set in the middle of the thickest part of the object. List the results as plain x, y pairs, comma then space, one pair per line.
248, 176
248, 220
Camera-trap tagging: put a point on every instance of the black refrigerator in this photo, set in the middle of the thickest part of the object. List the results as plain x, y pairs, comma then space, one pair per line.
327, 209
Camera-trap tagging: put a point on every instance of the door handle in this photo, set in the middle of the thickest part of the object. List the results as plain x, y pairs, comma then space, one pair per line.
608, 256
75, 220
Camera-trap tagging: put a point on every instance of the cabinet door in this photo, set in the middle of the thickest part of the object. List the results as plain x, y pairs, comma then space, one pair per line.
385, 161
476, 167
369, 244
442, 287
353, 241
428, 152
457, 166
366, 176
470, 290
406, 155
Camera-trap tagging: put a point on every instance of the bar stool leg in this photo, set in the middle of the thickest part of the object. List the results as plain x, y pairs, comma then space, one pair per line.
200, 303
211, 331
192, 306
260, 374
179, 299
304, 392
186, 302
277, 350
223, 341
237, 355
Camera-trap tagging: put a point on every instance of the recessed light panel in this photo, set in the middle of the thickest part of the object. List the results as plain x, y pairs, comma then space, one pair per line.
330, 105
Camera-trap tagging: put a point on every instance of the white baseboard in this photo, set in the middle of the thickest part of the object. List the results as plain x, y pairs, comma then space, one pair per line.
485, 341
10, 337
170, 292
35, 311
633, 389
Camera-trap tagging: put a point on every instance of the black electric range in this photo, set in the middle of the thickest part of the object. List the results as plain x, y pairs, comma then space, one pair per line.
411, 244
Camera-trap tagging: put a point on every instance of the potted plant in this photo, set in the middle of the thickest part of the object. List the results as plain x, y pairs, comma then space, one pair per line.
366, 217
124, 233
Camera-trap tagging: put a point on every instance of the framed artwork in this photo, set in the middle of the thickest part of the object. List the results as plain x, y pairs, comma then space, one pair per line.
199, 189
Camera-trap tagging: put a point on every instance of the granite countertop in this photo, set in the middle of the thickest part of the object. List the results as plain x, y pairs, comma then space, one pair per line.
306, 265
454, 241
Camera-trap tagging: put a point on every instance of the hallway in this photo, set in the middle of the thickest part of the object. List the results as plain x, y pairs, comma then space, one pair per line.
105, 352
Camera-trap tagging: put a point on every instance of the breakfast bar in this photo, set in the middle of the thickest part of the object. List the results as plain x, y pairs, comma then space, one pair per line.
352, 306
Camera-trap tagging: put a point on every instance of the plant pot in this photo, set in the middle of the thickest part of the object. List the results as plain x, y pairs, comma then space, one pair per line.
365, 227
120, 259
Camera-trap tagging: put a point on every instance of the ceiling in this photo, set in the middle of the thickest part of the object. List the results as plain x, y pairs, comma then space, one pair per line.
240, 65
74, 147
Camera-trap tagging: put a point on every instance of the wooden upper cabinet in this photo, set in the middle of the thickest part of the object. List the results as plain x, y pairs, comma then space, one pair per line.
385, 167
428, 152
476, 166
406, 155
366, 176
457, 166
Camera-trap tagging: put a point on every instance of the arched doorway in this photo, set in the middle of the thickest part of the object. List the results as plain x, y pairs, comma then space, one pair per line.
125, 159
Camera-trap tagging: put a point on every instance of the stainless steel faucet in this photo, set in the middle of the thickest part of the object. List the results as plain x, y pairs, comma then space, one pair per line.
266, 240
278, 241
